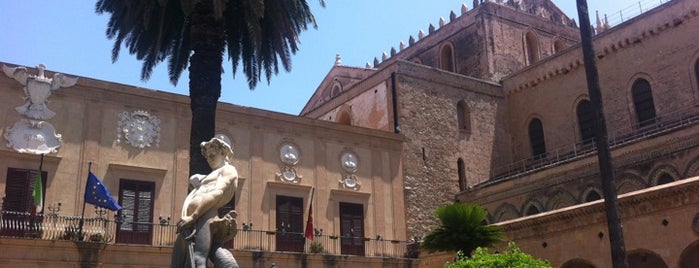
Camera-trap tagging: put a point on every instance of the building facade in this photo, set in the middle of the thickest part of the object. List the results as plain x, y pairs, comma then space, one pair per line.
489, 107
495, 111
132, 139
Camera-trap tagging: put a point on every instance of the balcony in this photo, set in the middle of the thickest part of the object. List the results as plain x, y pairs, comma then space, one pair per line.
100, 230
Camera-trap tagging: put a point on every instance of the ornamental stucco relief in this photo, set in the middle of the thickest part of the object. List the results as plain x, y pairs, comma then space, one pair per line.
139, 129
350, 164
289, 155
33, 135
38, 90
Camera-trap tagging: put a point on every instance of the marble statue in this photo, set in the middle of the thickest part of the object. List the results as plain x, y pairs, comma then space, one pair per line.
201, 231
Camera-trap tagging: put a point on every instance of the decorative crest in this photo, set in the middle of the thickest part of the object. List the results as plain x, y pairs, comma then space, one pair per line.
140, 129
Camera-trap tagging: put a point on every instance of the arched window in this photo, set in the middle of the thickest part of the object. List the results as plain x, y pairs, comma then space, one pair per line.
586, 121
645, 258
558, 45
344, 118
337, 89
462, 173
531, 210
463, 117
592, 196
532, 46
446, 58
536, 138
665, 178
643, 102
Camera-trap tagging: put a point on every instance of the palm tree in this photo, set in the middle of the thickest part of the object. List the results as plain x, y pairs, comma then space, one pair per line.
258, 34
463, 229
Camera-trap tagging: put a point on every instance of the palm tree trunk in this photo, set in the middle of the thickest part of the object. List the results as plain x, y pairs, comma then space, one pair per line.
616, 235
207, 43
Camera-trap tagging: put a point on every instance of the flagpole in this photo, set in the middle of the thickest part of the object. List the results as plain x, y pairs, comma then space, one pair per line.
41, 165
82, 217
309, 220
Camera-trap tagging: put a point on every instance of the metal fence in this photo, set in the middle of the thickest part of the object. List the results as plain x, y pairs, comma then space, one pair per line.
657, 126
103, 230
633, 10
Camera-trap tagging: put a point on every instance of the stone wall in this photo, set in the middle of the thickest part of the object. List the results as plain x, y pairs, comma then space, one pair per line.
659, 221
427, 100
59, 254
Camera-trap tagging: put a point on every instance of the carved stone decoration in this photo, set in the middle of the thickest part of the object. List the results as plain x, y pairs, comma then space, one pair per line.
38, 90
140, 129
289, 155
350, 164
34, 137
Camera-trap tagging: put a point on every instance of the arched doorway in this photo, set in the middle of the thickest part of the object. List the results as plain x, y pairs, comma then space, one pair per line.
643, 258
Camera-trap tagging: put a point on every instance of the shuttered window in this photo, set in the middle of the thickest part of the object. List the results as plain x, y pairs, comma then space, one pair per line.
19, 187
136, 199
289, 224
352, 229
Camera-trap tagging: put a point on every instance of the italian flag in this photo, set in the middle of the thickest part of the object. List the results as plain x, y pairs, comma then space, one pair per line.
38, 192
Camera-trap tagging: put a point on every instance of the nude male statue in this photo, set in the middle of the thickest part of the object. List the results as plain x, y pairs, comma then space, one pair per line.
200, 227
214, 190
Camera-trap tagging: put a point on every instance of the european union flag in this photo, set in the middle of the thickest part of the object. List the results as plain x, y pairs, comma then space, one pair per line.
97, 194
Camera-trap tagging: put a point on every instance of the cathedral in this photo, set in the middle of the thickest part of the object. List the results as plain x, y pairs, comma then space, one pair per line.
490, 106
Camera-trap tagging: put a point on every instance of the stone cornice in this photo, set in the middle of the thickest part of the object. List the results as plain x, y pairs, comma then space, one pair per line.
683, 192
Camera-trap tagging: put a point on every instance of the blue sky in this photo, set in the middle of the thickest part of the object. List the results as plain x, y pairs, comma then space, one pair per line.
68, 37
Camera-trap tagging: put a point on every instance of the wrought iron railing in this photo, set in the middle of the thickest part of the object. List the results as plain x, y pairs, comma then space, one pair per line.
632, 11
659, 125
103, 230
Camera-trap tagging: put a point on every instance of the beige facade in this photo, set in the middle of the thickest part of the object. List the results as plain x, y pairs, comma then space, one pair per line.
88, 115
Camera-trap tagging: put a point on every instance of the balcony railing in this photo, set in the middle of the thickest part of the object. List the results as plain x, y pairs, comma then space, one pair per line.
657, 126
103, 230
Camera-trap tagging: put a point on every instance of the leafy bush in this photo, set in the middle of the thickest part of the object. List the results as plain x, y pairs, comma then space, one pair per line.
512, 258
462, 228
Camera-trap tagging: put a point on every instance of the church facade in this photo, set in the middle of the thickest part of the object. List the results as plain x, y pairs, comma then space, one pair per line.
495, 111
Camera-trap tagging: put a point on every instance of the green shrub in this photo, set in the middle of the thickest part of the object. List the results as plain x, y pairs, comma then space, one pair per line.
512, 258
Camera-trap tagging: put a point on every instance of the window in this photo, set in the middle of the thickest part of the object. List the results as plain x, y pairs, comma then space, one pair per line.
289, 224
643, 102
592, 196
352, 229
344, 118
336, 90
532, 47
18, 189
136, 217
446, 56
536, 139
586, 121
665, 178
462, 174
531, 210
558, 45
463, 117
